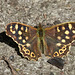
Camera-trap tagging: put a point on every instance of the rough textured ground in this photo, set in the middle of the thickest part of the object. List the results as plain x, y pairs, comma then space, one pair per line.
32, 12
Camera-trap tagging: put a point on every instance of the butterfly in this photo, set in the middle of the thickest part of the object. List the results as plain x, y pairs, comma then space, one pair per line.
52, 41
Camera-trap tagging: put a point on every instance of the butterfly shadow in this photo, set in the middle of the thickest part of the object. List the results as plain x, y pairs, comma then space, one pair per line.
7, 40
58, 62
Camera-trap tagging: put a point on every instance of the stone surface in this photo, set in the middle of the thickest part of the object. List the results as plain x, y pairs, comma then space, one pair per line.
31, 12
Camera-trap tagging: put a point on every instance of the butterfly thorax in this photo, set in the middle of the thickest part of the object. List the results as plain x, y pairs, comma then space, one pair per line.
40, 34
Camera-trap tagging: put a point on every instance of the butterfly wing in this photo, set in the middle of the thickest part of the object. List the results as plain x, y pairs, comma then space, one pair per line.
58, 39
26, 38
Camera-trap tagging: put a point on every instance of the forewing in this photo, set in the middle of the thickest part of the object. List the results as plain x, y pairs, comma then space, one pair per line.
26, 38
58, 39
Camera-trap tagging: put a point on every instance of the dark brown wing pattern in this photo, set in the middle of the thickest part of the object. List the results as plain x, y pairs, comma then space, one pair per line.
26, 38
58, 39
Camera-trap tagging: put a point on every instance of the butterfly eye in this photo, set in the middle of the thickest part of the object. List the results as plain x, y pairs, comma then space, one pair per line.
64, 48
24, 48
27, 51
61, 51
32, 54
56, 54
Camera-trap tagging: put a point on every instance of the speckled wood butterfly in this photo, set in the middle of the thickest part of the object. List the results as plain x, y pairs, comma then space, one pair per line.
54, 41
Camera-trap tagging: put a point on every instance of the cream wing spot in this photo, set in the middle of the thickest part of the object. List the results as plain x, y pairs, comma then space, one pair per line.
22, 28
19, 32
26, 29
67, 32
26, 37
58, 30
23, 41
63, 28
73, 31
70, 26
67, 37
20, 38
28, 45
11, 27
58, 37
63, 41
16, 26
58, 44
13, 32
